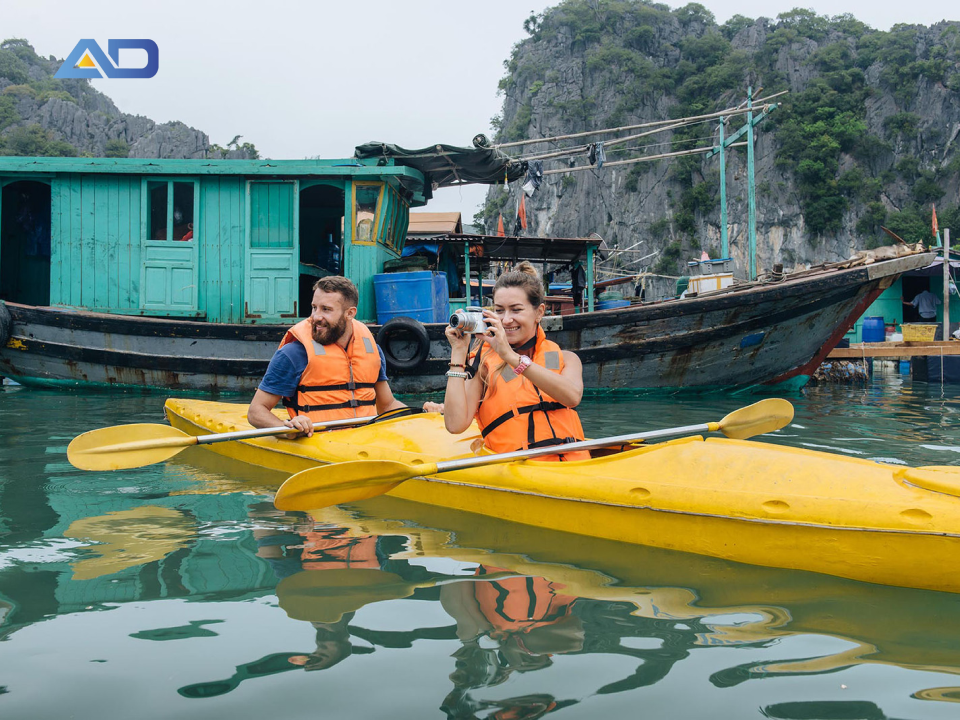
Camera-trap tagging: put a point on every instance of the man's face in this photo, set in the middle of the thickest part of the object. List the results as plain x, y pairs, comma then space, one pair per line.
328, 317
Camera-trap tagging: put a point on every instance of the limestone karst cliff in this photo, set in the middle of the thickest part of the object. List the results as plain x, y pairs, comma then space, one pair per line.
40, 115
867, 136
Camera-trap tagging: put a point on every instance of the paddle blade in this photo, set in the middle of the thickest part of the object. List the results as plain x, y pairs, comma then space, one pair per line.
126, 446
344, 482
762, 417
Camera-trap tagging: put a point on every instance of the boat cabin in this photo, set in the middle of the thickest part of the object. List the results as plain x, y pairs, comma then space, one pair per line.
226, 241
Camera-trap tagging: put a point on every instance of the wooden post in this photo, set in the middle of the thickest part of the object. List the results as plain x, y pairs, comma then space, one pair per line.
590, 278
751, 191
946, 284
724, 242
466, 268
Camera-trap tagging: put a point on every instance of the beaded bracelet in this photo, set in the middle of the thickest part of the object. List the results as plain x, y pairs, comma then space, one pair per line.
460, 365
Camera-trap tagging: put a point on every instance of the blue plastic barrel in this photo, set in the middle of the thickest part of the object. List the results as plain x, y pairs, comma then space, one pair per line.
421, 295
873, 330
904, 367
611, 304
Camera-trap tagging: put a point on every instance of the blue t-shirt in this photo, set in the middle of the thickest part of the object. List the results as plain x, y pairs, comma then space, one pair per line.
286, 368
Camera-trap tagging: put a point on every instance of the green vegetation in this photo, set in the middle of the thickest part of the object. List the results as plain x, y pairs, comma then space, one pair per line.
117, 149
34, 140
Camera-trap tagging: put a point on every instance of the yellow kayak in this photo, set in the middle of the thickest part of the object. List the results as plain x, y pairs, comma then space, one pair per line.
739, 500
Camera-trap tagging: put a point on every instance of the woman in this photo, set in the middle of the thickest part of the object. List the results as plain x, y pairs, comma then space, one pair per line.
520, 387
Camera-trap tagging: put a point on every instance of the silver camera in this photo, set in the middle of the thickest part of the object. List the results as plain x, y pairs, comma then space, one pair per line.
469, 320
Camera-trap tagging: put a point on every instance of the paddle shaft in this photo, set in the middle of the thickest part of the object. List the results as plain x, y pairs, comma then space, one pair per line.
188, 440
278, 430
463, 463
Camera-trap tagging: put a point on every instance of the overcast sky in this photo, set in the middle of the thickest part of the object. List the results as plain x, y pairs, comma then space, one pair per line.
304, 79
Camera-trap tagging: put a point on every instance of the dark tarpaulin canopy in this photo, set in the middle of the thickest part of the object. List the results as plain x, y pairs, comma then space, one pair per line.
447, 165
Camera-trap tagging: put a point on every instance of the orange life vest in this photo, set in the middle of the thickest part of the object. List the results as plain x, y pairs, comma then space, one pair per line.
514, 605
331, 550
514, 414
337, 383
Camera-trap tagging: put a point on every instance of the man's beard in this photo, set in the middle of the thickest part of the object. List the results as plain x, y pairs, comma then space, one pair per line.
331, 333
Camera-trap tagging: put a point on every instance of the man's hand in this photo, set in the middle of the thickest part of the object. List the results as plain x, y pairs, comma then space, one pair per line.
302, 424
433, 407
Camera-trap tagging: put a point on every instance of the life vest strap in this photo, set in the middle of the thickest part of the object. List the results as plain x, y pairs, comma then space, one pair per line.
328, 388
551, 441
352, 403
540, 406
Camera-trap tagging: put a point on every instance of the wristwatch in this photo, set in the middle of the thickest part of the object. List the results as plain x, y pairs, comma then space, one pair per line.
524, 363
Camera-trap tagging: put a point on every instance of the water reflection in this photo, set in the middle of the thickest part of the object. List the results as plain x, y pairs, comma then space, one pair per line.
216, 600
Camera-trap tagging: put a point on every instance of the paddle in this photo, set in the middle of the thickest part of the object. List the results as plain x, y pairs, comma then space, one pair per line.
130, 446
325, 595
358, 480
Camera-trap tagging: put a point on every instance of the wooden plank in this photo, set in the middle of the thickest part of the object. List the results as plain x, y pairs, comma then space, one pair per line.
101, 269
137, 232
57, 246
891, 349
113, 240
233, 240
134, 166
122, 299
76, 241
207, 236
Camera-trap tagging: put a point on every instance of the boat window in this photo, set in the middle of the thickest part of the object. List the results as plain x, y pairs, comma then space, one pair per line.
183, 211
389, 218
367, 197
157, 210
170, 210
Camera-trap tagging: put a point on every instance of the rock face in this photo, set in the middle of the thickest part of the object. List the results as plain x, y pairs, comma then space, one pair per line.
890, 131
73, 112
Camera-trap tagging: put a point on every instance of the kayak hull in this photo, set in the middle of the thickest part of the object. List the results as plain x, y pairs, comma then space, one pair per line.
749, 502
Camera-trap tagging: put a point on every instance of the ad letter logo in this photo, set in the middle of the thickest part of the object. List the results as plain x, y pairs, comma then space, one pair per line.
87, 60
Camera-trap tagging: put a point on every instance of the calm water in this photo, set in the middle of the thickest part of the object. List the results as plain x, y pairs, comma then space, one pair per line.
177, 590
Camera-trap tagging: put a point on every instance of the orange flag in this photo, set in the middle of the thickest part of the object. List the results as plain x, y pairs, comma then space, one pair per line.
522, 211
500, 231
936, 228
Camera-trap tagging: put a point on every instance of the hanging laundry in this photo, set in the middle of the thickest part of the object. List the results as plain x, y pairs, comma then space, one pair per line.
596, 155
500, 231
522, 211
534, 177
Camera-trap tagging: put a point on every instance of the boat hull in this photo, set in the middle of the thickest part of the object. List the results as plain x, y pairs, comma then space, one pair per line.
743, 501
764, 337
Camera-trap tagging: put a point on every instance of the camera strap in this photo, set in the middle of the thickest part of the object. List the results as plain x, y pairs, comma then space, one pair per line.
472, 368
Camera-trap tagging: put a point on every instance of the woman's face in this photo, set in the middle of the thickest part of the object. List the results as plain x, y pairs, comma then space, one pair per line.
518, 316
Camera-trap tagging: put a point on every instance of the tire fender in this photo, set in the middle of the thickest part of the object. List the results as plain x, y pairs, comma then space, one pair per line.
6, 325
409, 330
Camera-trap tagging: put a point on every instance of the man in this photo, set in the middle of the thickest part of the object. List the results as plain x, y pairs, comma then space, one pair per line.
926, 304
328, 366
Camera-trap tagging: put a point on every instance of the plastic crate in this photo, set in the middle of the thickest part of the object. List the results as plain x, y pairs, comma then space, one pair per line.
918, 332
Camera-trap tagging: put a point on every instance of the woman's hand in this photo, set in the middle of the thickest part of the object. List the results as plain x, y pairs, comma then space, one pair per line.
459, 341
496, 336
